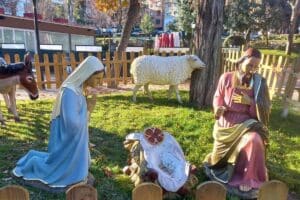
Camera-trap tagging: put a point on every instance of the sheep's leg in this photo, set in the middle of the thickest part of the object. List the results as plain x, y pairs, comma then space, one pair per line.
7, 102
13, 106
171, 89
1, 119
146, 87
177, 94
135, 89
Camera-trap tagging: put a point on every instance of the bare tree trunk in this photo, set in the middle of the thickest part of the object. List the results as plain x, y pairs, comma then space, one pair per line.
209, 25
132, 17
292, 26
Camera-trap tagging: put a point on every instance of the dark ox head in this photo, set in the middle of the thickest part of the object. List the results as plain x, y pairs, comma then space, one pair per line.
27, 79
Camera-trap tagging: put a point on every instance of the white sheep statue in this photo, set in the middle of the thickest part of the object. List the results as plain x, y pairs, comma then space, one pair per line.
158, 70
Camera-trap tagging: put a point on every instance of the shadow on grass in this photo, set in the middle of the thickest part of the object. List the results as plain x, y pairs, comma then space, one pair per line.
284, 148
109, 157
159, 99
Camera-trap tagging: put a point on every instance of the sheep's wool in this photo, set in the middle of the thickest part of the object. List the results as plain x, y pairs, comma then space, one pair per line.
159, 70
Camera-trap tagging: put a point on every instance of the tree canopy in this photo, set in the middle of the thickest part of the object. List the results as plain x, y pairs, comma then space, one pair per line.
147, 25
110, 5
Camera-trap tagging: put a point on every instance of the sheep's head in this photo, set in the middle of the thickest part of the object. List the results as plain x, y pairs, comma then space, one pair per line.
195, 62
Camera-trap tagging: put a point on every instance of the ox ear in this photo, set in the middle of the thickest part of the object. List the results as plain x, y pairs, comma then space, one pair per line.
27, 60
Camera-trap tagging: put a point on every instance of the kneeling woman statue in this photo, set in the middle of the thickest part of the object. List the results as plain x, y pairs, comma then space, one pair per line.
68, 157
241, 107
155, 156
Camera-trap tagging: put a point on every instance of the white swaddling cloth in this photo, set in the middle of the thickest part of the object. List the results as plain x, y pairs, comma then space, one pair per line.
167, 159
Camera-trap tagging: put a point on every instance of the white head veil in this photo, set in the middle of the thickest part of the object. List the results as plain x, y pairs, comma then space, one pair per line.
75, 80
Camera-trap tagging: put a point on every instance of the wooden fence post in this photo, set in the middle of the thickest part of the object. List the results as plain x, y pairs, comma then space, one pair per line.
147, 191
211, 190
81, 192
14, 192
273, 190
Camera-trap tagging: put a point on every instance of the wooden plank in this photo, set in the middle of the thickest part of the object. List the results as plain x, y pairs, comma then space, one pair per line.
101, 77
132, 57
210, 190
282, 75
63, 66
276, 71
124, 67
261, 64
81, 57
7, 58
14, 192
99, 56
147, 191
290, 86
47, 71
57, 72
145, 51
17, 58
116, 64
108, 73
73, 61
38, 71
273, 190
81, 192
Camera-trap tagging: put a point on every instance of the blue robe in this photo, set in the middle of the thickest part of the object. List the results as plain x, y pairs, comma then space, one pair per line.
68, 157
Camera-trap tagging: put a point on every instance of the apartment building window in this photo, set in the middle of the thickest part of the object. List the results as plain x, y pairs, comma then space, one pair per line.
158, 13
157, 21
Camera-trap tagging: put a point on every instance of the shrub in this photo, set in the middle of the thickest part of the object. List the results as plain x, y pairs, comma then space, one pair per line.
234, 40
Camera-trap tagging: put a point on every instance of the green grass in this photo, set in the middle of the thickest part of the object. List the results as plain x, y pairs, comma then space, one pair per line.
115, 116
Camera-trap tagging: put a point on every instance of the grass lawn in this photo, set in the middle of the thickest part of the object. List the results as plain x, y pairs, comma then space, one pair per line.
115, 116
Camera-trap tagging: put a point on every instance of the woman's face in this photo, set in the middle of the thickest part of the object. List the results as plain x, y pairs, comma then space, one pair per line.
90, 82
250, 65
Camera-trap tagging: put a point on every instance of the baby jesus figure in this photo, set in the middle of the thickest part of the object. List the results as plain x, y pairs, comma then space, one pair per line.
155, 156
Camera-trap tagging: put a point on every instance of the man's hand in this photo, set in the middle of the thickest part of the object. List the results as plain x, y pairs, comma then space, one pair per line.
241, 98
220, 111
